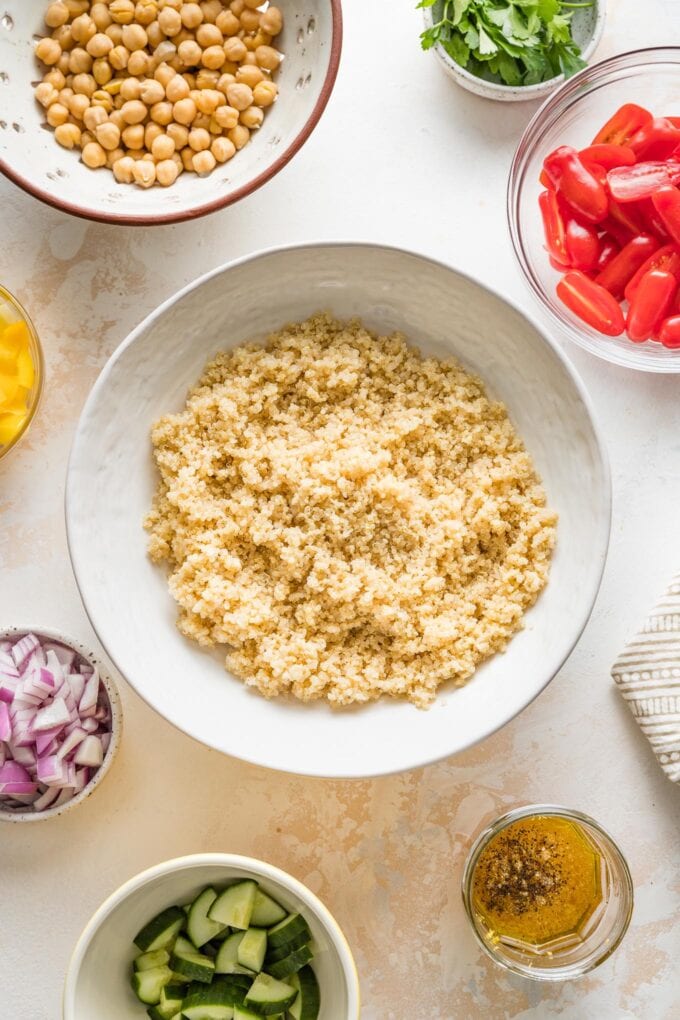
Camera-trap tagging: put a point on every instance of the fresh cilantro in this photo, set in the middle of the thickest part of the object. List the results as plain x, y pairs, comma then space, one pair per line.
520, 42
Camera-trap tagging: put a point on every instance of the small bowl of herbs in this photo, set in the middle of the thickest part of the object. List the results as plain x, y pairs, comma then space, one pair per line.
512, 50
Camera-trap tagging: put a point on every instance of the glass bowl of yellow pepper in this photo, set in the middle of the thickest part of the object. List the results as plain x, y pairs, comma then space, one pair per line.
21, 371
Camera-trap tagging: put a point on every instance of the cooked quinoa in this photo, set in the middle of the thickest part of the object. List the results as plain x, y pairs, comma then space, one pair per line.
350, 518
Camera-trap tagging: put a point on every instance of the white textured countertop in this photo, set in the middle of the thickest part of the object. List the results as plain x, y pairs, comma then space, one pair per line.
402, 156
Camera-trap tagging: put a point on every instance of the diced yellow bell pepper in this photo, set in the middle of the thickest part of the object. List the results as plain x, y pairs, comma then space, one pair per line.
25, 369
19, 402
15, 336
9, 384
10, 426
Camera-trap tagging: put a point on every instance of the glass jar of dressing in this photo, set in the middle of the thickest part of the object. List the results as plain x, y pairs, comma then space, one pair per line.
548, 893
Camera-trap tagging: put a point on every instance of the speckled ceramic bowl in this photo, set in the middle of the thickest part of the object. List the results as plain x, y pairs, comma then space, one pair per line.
29, 155
116, 727
98, 981
588, 26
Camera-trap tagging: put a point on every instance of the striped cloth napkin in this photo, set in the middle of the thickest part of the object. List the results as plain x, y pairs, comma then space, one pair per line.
648, 675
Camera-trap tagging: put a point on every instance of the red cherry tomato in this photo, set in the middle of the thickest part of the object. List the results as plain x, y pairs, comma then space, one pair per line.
669, 332
610, 249
583, 245
650, 304
592, 303
636, 253
577, 184
620, 128
666, 258
667, 204
608, 156
655, 140
553, 227
649, 217
631, 183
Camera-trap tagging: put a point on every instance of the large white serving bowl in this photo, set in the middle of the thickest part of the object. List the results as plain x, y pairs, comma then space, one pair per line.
311, 42
111, 481
97, 983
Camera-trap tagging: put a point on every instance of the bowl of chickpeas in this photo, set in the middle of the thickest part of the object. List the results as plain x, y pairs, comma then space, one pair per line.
144, 112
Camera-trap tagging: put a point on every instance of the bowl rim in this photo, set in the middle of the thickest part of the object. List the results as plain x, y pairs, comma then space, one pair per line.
258, 867
38, 357
573, 331
525, 93
116, 725
551, 669
183, 215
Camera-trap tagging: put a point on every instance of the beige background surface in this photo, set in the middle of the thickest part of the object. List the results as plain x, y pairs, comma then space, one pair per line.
403, 157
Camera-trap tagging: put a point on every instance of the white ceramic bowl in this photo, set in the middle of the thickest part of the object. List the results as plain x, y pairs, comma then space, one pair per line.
116, 727
588, 26
111, 481
98, 978
29, 155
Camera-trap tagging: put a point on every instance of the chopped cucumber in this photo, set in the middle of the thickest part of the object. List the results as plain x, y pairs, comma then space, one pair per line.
282, 951
290, 964
235, 905
173, 995
308, 1002
268, 996
148, 984
227, 956
252, 948
266, 911
161, 1012
161, 931
148, 961
200, 928
243, 1013
188, 962
287, 930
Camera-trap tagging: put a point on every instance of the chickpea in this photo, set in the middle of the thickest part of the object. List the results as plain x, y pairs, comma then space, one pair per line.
211, 10
162, 147
152, 92
232, 66
191, 15
102, 100
226, 117
99, 13
202, 121
46, 94
122, 11
83, 29
100, 45
86, 138
207, 79
271, 21
57, 114
250, 76
56, 15
267, 57
199, 139
116, 117
164, 75
222, 149
182, 36
190, 79
78, 104
64, 38
113, 156
84, 84
162, 113
93, 155
139, 63
208, 101
108, 136
170, 21
68, 135
154, 34
135, 154
134, 111
118, 58
49, 51
187, 157
214, 57
152, 131
203, 163
115, 34
250, 20
239, 96
189, 53
94, 117
239, 135
101, 71
252, 118
62, 63
146, 12
144, 173
76, 7
79, 61
123, 170
177, 89
225, 81
259, 39
176, 4
234, 49
237, 7
179, 135
134, 37
209, 35
252, 4
228, 23
265, 93
55, 78
167, 172
184, 112
130, 89
133, 136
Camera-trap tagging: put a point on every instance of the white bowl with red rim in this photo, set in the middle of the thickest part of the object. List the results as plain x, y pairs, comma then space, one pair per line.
116, 726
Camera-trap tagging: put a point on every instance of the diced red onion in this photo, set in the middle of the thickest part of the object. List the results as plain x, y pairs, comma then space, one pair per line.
90, 752
55, 714
23, 648
5, 723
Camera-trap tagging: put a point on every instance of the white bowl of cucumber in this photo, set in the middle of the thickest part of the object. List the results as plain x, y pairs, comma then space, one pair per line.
212, 937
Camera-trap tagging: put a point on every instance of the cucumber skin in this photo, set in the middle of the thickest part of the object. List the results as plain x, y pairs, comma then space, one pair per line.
290, 964
308, 1003
143, 977
266, 911
280, 953
287, 930
198, 920
269, 1008
147, 937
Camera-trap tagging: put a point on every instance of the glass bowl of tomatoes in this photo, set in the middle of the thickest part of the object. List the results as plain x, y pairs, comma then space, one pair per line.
594, 208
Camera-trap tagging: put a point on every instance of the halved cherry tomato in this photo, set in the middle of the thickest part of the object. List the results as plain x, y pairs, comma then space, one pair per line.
627, 216
577, 184
553, 227
674, 120
623, 125
622, 268
655, 140
631, 183
667, 204
591, 302
608, 156
583, 245
545, 181
666, 258
610, 249
652, 222
621, 234
650, 304
669, 332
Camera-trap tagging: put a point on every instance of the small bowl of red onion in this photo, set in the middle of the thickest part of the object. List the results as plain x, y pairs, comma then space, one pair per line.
60, 724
